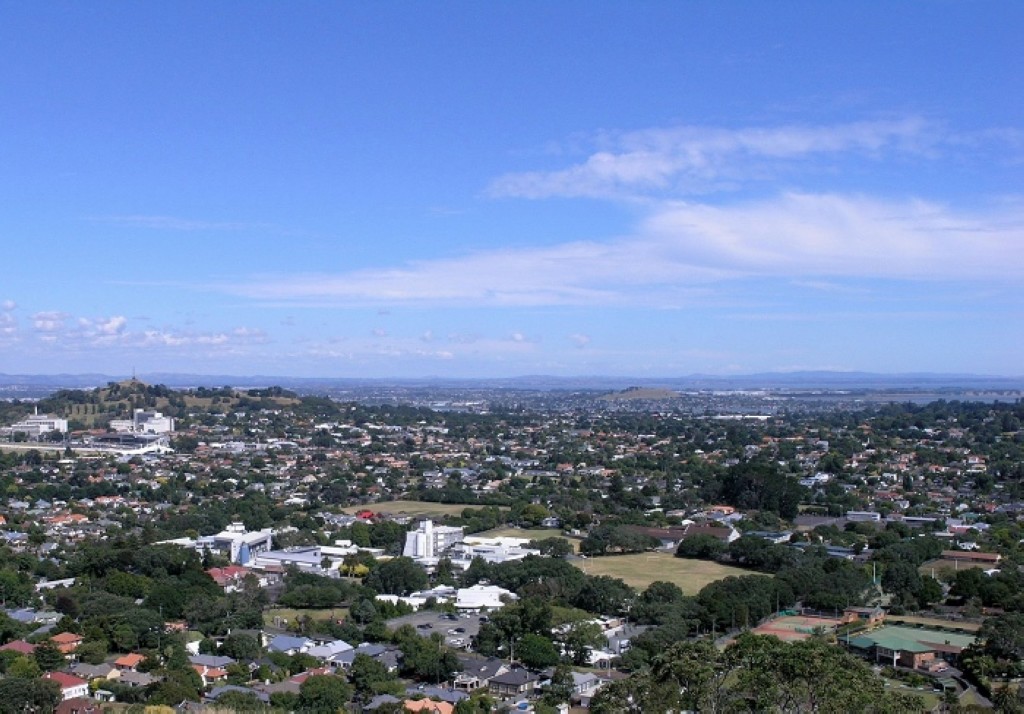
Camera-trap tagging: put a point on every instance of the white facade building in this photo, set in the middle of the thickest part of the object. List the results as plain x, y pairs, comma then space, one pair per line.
36, 425
428, 542
234, 542
144, 422
495, 551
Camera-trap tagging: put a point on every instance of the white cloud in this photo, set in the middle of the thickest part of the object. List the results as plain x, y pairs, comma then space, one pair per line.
579, 339
693, 159
8, 322
681, 249
852, 236
48, 322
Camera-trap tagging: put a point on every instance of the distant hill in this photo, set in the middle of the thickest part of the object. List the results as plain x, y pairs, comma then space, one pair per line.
650, 394
37, 385
91, 408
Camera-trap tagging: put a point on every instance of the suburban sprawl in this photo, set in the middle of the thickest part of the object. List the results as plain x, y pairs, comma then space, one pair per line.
471, 549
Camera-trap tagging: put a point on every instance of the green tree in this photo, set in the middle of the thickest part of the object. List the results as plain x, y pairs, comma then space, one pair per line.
537, 651
560, 689
241, 646
398, 576
581, 639
324, 693
369, 676
18, 696
48, 656
701, 546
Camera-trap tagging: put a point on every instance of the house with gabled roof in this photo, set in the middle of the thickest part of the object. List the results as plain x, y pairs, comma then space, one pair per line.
67, 642
70, 685
513, 683
129, 662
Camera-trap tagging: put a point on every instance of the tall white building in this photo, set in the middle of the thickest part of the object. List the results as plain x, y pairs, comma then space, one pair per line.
428, 542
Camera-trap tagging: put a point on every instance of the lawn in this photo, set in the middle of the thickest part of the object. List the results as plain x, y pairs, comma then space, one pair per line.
642, 569
414, 508
940, 566
282, 617
935, 622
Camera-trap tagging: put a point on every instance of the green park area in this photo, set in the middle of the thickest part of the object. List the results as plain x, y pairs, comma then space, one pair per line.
641, 569
414, 508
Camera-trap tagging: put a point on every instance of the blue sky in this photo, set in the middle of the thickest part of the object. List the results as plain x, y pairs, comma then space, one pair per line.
396, 189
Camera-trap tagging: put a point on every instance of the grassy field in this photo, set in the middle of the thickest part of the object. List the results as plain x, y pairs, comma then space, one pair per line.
934, 622
642, 569
930, 698
288, 615
940, 565
414, 508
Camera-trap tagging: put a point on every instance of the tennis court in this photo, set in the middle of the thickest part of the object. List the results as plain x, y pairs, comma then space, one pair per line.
791, 628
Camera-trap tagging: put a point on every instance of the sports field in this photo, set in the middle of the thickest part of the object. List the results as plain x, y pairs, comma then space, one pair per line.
941, 566
642, 569
792, 628
934, 622
414, 508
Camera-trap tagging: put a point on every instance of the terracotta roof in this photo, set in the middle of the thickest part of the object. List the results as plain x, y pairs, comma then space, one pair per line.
66, 681
129, 660
18, 646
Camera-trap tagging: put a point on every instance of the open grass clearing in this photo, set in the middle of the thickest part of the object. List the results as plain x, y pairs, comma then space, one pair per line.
415, 508
934, 622
642, 569
282, 617
942, 566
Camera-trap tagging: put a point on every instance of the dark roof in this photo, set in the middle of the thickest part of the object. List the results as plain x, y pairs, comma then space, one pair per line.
515, 677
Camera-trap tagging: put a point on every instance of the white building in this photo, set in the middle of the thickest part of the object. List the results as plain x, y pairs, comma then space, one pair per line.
234, 542
462, 554
144, 422
36, 425
481, 597
428, 542
478, 597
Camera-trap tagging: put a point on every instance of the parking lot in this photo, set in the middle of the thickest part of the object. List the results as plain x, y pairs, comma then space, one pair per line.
458, 629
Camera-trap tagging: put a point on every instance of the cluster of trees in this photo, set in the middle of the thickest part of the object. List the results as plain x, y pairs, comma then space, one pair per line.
753, 674
609, 538
759, 484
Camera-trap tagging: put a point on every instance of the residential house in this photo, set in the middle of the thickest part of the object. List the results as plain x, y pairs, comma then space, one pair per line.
70, 685
329, 650
89, 672
289, 645
210, 675
19, 646
67, 642
78, 705
428, 706
513, 683
129, 662
477, 673
131, 678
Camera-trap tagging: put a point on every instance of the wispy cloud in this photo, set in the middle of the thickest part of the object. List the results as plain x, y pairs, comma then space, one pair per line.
8, 321
172, 223
681, 250
692, 160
